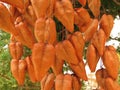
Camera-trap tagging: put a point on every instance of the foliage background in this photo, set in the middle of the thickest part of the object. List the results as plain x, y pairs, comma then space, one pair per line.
6, 79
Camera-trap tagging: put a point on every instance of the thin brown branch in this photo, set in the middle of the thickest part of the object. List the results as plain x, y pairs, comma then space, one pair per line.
117, 2
115, 38
3, 76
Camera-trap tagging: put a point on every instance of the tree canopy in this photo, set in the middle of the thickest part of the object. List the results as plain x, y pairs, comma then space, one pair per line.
111, 7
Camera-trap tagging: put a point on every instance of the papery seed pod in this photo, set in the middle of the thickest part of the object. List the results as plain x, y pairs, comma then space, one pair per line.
65, 14
42, 82
58, 65
88, 34
43, 57
18, 68
65, 51
69, 49
30, 69
20, 37
101, 75
94, 6
78, 43
111, 61
22, 70
45, 30
98, 41
40, 7
106, 23
67, 82
14, 69
37, 58
48, 59
27, 34
49, 83
59, 82
92, 57
14, 12
85, 26
60, 51
39, 29
51, 29
111, 84
19, 50
12, 49
79, 70
50, 10
82, 15
29, 15
76, 83
6, 17
76, 18
16, 50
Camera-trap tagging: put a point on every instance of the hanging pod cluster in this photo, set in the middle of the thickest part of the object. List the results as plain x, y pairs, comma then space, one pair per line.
60, 82
31, 24
105, 81
106, 78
